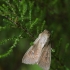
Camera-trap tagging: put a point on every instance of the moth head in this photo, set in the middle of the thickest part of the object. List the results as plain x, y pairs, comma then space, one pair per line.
45, 34
43, 37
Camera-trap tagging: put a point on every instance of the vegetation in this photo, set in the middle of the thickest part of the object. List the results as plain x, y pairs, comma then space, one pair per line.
21, 21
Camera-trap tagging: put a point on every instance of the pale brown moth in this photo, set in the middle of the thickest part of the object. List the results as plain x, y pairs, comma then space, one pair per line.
40, 52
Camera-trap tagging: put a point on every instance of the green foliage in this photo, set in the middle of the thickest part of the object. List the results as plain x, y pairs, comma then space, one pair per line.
11, 48
25, 19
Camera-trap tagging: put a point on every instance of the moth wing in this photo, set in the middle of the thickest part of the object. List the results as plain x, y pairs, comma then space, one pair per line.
34, 52
45, 58
32, 55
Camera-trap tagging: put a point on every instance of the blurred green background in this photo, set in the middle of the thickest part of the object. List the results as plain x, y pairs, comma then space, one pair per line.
21, 21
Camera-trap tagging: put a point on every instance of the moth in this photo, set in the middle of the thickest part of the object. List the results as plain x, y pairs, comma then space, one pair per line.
40, 52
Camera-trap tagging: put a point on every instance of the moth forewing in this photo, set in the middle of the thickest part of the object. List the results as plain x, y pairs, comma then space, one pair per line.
45, 58
32, 55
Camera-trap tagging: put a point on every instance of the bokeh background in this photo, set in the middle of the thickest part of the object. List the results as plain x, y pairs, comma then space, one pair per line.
21, 21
